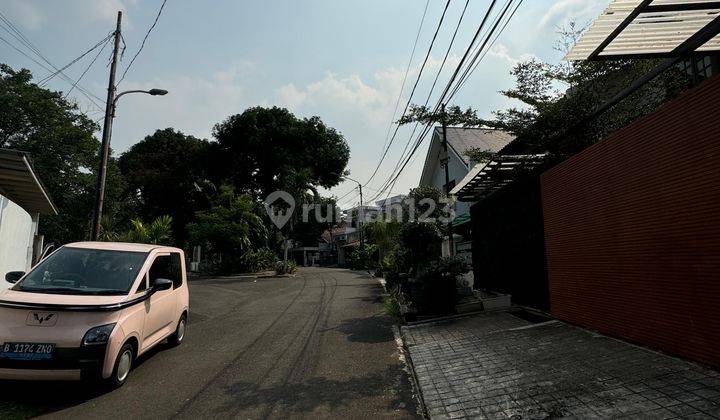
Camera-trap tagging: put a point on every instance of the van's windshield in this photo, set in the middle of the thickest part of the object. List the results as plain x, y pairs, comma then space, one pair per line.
81, 271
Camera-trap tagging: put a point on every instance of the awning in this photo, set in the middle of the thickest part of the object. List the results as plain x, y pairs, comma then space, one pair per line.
499, 172
647, 28
19, 183
461, 220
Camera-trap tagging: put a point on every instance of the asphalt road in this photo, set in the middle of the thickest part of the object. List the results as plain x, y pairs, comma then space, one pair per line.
317, 345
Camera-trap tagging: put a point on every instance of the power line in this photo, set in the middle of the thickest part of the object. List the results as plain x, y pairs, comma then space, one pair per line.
24, 41
142, 45
407, 71
87, 68
432, 88
45, 80
447, 53
473, 64
507, 21
407, 105
394, 174
475, 61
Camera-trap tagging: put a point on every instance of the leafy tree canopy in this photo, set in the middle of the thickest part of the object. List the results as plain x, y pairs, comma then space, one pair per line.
230, 229
63, 150
167, 173
269, 149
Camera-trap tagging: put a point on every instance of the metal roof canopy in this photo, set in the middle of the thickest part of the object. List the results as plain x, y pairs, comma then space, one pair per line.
647, 28
19, 183
496, 174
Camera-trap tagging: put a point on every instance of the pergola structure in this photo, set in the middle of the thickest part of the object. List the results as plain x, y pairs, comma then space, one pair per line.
496, 174
649, 28
671, 29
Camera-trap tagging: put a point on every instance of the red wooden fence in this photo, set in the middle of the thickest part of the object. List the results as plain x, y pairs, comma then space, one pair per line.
632, 228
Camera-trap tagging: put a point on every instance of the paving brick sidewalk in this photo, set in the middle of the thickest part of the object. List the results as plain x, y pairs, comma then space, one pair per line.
497, 365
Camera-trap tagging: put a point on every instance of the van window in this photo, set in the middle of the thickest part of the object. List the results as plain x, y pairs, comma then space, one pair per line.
143, 284
167, 267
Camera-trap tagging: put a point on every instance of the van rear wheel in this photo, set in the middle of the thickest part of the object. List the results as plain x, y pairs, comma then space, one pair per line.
177, 337
123, 365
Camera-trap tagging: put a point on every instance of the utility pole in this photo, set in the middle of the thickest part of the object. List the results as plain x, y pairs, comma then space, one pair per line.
361, 218
451, 240
107, 129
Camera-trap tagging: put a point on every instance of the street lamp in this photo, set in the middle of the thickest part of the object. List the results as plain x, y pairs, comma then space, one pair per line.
107, 133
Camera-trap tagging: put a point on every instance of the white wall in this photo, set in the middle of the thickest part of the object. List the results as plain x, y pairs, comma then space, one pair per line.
16, 239
457, 171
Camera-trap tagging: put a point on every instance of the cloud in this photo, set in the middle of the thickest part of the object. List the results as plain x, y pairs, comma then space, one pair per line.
26, 15
563, 11
33, 15
193, 105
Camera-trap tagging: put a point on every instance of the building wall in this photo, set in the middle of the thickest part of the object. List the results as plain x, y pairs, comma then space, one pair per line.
16, 233
632, 230
457, 171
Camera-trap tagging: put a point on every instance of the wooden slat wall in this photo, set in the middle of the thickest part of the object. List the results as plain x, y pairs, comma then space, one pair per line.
632, 228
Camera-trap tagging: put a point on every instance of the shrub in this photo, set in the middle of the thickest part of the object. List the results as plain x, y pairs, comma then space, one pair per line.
438, 286
392, 307
363, 257
258, 260
285, 268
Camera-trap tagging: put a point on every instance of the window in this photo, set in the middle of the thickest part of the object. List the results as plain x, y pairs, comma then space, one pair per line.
167, 267
84, 271
143, 284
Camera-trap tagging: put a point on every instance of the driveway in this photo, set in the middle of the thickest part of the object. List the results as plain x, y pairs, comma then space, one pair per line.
317, 345
500, 365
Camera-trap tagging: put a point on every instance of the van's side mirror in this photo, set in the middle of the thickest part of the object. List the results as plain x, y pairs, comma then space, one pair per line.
162, 284
14, 276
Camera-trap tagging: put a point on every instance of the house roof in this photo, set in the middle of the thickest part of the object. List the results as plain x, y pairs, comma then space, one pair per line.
460, 140
19, 183
463, 139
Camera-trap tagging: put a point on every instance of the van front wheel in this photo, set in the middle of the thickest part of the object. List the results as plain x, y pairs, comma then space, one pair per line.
123, 364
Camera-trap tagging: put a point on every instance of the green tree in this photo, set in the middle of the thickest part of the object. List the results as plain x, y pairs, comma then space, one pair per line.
63, 150
269, 149
308, 232
168, 173
384, 234
554, 98
230, 229
159, 231
428, 202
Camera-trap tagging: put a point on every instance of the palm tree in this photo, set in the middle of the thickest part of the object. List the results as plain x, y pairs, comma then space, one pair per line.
159, 231
384, 234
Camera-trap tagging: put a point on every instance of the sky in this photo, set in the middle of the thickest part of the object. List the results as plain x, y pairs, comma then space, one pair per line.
342, 60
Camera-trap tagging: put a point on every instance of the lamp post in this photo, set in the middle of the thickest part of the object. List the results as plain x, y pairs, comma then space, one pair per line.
105, 148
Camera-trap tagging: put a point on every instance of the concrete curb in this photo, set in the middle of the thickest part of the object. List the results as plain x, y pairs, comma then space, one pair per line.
406, 359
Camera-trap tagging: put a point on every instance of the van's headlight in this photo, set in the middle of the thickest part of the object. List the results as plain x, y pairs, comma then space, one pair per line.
98, 335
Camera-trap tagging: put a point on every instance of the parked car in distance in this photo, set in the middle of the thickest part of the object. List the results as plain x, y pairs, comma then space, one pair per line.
89, 309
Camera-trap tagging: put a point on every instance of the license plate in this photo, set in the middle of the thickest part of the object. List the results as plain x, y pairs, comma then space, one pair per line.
27, 351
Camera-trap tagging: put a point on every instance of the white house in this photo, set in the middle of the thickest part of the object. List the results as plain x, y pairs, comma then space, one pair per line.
460, 140
22, 200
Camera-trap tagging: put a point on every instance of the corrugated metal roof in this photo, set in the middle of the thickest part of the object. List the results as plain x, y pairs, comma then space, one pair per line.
463, 139
658, 29
19, 183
